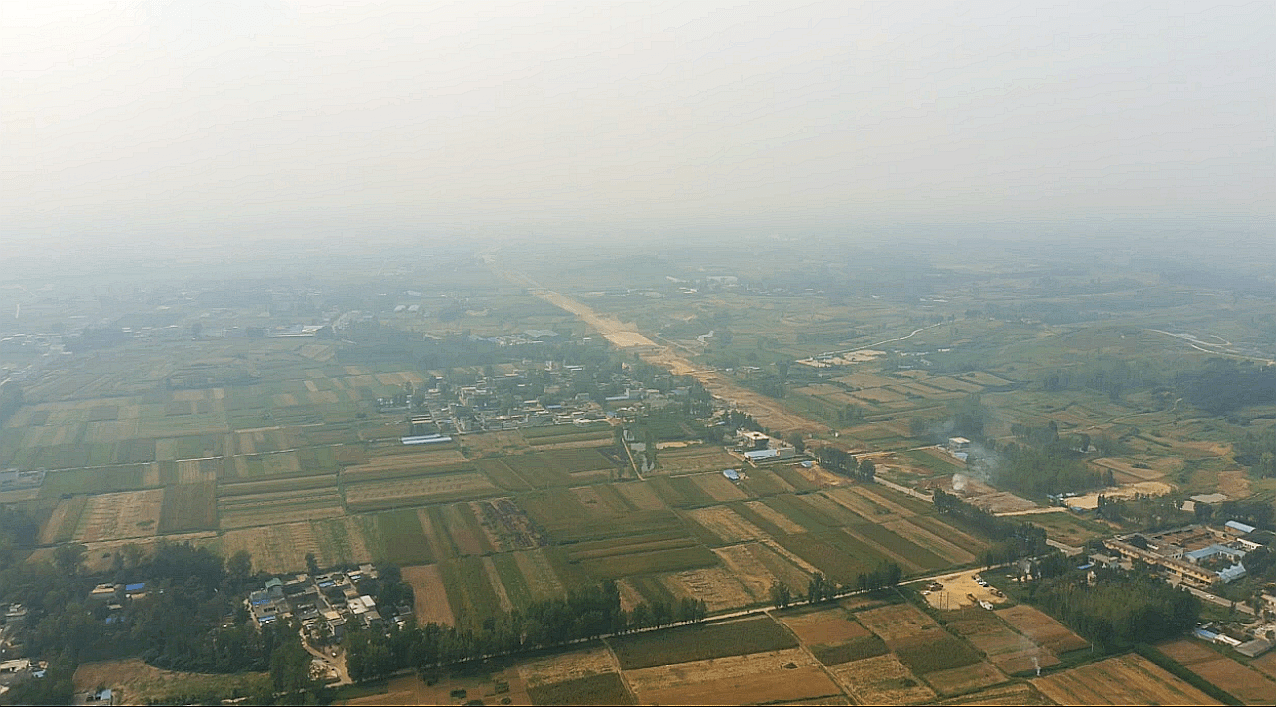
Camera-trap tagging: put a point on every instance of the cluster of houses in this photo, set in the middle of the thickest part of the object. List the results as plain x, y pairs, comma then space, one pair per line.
525, 397
1197, 554
324, 604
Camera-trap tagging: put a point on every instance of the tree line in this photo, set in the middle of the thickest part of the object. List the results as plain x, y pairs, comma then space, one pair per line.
1011, 539
585, 613
844, 463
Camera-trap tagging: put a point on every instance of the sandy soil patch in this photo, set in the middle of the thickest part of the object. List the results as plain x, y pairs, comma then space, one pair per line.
957, 591
1003, 502
1234, 483
430, 603
826, 627
1125, 680
745, 679
1143, 488
881, 680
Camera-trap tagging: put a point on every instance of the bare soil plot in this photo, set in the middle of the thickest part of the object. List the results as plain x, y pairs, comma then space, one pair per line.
1244, 683
776, 676
826, 627
114, 516
430, 602
1265, 664
1125, 467
1042, 629
1003, 502
1130, 679
881, 680
717, 587
134, 682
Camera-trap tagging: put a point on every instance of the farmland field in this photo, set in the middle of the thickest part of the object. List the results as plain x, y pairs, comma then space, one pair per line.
1042, 629
1124, 680
772, 676
1242, 682
693, 643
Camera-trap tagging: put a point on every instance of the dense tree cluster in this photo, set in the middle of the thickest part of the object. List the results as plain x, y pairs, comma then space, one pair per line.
845, 464
585, 613
1011, 539
1224, 385
1258, 452
1120, 609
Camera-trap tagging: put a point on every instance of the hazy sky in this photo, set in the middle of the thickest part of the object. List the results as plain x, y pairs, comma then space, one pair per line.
203, 118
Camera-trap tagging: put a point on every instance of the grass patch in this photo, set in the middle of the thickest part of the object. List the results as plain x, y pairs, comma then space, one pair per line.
689, 643
676, 560
933, 652
856, 649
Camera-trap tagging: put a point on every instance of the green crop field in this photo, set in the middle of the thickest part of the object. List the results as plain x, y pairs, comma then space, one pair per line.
689, 643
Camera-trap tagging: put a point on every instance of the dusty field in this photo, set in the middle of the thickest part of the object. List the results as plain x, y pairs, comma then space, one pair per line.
1242, 682
824, 627
136, 683
881, 681
1125, 680
1265, 664
958, 588
1042, 629
114, 516
1003, 502
612, 329
745, 679
430, 604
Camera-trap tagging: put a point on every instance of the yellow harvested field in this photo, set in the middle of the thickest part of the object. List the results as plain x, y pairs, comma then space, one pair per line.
1242, 682
957, 681
1130, 679
746, 679
758, 567
430, 598
951, 551
641, 496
